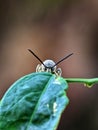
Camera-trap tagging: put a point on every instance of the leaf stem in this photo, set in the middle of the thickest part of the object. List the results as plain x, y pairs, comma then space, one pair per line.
87, 82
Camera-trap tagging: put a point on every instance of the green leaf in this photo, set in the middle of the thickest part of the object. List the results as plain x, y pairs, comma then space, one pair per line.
34, 102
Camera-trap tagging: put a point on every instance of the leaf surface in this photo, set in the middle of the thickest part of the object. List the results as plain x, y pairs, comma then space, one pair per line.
34, 102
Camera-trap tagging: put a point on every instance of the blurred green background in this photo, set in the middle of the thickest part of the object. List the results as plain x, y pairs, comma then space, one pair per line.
53, 29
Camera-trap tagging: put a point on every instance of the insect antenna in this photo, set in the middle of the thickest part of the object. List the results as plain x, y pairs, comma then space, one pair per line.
36, 56
62, 59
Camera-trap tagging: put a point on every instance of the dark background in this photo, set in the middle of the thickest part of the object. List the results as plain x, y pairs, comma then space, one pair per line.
53, 29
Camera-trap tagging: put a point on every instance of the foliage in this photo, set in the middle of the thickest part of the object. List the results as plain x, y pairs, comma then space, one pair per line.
34, 102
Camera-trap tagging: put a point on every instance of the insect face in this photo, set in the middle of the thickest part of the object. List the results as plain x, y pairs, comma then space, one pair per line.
49, 66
